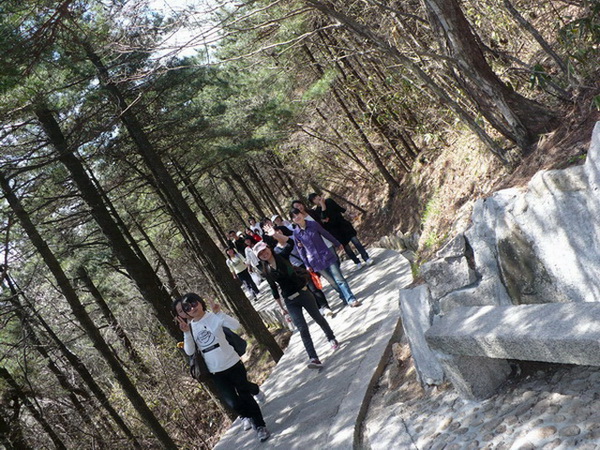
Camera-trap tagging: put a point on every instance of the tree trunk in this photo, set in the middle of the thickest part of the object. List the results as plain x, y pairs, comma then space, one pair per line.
385, 131
110, 318
140, 270
204, 246
388, 177
84, 319
240, 202
61, 377
83, 372
519, 119
244, 187
285, 173
171, 283
270, 197
383, 45
199, 200
37, 415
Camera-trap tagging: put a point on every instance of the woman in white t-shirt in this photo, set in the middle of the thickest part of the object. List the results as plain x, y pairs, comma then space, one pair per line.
224, 364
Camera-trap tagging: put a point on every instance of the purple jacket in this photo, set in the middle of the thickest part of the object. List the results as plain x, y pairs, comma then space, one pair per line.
313, 251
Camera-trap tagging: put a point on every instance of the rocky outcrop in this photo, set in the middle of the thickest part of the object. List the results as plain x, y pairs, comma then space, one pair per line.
533, 245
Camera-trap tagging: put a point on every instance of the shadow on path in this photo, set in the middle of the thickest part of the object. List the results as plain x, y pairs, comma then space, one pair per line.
324, 408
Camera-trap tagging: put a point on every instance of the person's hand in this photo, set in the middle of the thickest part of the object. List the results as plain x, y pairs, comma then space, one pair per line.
269, 230
214, 307
183, 325
340, 247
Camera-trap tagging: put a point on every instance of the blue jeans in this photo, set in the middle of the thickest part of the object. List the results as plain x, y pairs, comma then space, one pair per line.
334, 272
307, 301
359, 247
237, 391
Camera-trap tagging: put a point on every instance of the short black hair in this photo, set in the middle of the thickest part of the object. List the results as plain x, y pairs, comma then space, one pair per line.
312, 196
251, 218
296, 201
293, 212
190, 297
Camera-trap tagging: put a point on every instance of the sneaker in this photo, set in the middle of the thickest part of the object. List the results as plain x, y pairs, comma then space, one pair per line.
358, 266
369, 262
247, 423
260, 397
315, 364
334, 344
328, 312
262, 433
355, 303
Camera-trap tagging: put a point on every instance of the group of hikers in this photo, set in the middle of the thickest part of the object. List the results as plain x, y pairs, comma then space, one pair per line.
291, 256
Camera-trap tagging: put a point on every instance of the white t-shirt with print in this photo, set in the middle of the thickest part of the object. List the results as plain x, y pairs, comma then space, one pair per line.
210, 337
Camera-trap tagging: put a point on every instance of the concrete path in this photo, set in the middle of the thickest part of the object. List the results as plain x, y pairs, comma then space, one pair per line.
324, 408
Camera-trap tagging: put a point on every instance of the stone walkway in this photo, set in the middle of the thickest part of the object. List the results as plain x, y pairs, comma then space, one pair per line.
323, 409
554, 408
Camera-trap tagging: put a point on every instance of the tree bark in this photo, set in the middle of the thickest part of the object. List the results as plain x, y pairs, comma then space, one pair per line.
519, 119
83, 372
387, 176
139, 269
37, 415
111, 319
245, 189
204, 246
84, 319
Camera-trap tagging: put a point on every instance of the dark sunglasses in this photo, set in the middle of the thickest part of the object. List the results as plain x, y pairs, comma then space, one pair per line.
188, 305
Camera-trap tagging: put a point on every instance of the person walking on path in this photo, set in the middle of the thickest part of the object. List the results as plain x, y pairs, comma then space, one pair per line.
203, 330
278, 271
333, 220
239, 269
236, 241
252, 262
309, 235
255, 226
287, 248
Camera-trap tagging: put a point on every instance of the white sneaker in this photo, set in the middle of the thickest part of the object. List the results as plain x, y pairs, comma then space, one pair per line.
369, 262
358, 266
247, 423
327, 312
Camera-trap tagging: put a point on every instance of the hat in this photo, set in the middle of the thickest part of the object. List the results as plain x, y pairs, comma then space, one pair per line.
274, 217
239, 233
259, 247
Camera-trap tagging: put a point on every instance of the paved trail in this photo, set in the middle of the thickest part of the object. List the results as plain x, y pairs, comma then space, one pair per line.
323, 409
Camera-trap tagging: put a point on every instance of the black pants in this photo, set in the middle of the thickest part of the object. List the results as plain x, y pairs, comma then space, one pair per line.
237, 391
307, 301
246, 278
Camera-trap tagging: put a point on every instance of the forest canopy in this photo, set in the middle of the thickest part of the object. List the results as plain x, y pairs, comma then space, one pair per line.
133, 139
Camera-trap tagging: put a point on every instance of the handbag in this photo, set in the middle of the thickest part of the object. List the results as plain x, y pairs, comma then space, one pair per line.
198, 368
316, 279
236, 341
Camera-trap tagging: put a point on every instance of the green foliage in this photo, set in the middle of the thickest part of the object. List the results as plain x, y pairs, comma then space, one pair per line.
321, 87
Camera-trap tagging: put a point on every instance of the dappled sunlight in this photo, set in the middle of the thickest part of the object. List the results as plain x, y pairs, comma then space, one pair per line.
306, 405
